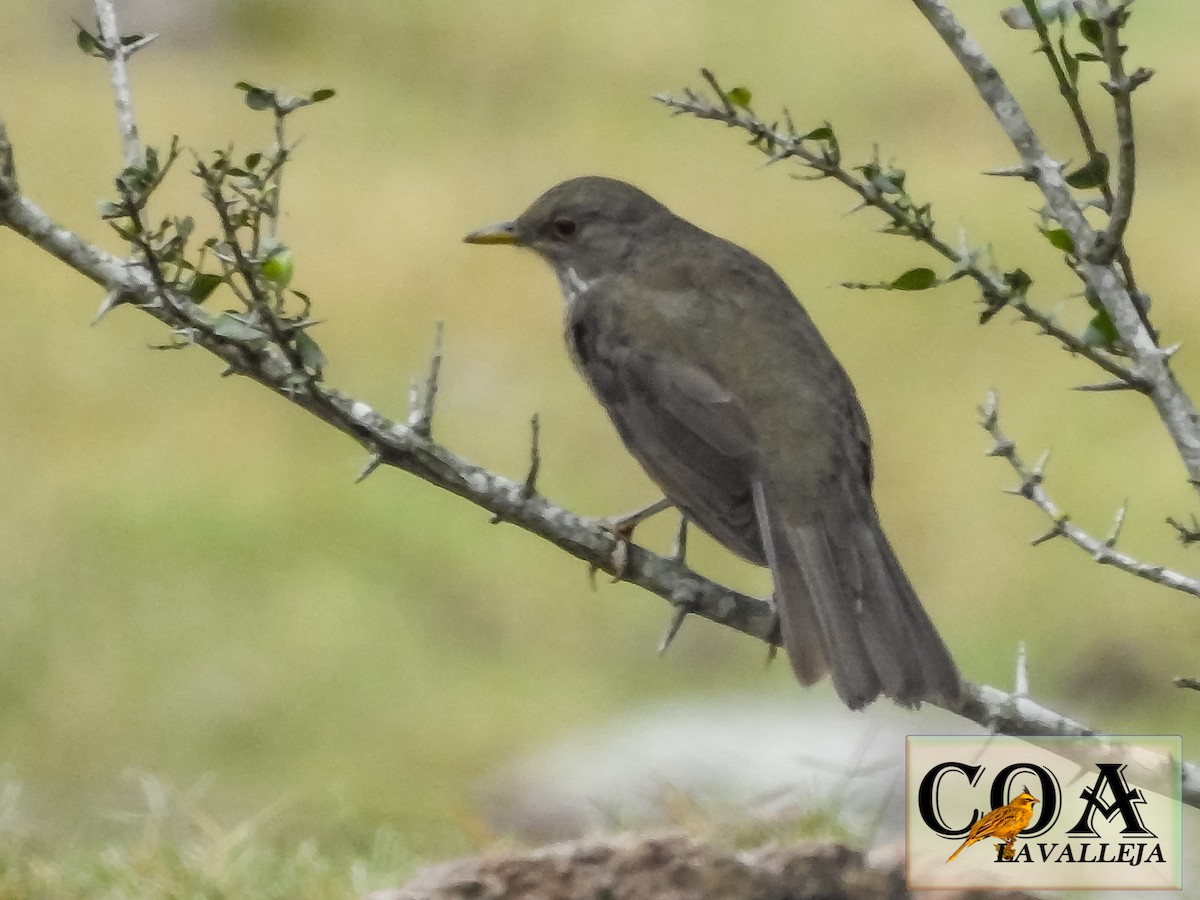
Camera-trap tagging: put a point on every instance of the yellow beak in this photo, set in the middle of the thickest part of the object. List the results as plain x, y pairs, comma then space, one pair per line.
500, 233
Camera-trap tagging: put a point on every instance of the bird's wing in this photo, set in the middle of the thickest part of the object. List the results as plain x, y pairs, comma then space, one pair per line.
788, 486
689, 433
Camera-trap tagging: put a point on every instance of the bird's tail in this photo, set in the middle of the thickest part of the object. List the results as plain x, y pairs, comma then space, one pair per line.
960, 849
846, 607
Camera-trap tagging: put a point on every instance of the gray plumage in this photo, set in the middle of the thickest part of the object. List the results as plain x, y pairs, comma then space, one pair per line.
722, 388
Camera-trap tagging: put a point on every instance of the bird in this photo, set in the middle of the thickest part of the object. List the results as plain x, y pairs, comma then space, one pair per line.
721, 387
1004, 822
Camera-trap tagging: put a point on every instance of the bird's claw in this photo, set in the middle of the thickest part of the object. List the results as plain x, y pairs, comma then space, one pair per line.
621, 528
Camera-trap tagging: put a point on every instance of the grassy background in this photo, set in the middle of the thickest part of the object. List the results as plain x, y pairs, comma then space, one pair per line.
191, 584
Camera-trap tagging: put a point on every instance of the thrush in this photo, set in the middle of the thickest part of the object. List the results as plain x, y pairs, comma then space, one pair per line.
720, 385
1004, 822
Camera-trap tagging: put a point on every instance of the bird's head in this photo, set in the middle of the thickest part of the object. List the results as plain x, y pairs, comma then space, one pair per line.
1025, 799
591, 225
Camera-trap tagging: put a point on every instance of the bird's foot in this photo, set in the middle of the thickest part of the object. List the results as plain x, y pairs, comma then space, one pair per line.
621, 528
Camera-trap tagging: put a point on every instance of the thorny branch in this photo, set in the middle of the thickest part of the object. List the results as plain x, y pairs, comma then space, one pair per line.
1031, 488
117, 51
1101, 276
268, 358
818, 150
1117, 206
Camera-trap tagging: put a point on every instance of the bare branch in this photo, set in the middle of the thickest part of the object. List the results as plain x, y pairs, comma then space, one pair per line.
1102, 551
117, 53
1121, 87
529, 485
420, 415
281, 154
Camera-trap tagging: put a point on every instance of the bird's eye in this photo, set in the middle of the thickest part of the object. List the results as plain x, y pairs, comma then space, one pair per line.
564, 229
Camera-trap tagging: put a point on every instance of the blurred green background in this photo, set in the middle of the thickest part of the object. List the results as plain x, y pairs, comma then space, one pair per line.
192, 585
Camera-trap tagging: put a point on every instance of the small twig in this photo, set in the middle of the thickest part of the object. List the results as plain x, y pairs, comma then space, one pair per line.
1121, 87
1191, 684
1187, 534
529, 485
528, 490
1068, 89
420, 416
9, 187
259, 302
1118, 523
1031, 489
281, 154
117, 53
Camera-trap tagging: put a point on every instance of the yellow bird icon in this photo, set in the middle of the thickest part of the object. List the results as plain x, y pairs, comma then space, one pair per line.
1005, 822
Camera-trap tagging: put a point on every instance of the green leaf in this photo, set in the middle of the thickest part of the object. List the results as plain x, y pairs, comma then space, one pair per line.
311, 356
87, 42
278, 268
202, 286
1100, 332
322, 94
252, 160
229, 326
823, 133
257, 97
1092, 174
127, 39
1018, 281
739, 96
919, 279
1092, 32
1059, 238
1089, 57
109, 210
